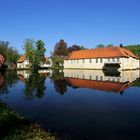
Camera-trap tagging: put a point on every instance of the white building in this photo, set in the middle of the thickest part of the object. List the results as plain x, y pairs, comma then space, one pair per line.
101, 58
23, 62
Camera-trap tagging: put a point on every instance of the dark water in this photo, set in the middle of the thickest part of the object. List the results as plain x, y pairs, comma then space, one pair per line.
77, 104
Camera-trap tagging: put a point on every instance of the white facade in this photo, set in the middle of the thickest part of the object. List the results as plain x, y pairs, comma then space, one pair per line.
99, 63
98, 75
24, 64
24, 73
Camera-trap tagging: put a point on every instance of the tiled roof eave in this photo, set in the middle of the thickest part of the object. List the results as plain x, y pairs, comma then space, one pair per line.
20, 62
95, 57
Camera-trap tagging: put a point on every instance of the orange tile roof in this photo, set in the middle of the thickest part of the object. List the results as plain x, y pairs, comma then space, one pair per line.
22, 58
1, 59
107, 52
98, 85
46, 60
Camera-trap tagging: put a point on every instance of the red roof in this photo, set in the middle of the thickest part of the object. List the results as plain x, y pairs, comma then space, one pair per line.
1, 59
108, 52
22, 58
98, 85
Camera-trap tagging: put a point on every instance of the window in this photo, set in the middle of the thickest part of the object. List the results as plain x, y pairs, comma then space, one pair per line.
97, 60
90, 77
90, 60
101, 78
118, 59
83, 76
108, 59
83, 61
77, 61
96, 77
101, 60
71, 61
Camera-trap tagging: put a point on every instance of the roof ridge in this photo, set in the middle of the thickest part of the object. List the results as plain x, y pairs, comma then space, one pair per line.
120, 49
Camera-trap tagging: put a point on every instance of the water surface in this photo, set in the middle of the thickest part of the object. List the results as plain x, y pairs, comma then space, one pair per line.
77, 104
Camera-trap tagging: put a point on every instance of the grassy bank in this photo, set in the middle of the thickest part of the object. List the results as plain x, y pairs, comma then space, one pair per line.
16, 127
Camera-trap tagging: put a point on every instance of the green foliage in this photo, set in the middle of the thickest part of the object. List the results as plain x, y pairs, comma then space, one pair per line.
100, 46
35, 86
35, 52
135, 49
29, 47
40, 52
10, 54
16, 127
57, 61
83, 48
7, 79
60, 85
110, 45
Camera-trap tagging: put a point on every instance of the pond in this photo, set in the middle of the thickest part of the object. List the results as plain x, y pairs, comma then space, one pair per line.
77, 104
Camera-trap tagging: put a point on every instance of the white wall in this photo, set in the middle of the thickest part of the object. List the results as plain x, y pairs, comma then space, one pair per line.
98, 75
129, 63
24, 64
125, 63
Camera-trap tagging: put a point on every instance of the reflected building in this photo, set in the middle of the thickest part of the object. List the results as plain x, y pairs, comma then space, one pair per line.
101, 80
34, 83
23, 74
1, 79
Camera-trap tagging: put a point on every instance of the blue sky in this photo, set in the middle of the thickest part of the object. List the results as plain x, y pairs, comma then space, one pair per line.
81, 22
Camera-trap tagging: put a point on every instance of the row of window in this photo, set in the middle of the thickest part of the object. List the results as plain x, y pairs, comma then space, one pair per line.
100, 78
98, 60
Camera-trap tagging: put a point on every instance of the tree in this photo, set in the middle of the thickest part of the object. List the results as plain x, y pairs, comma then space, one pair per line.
9, 53
121, 45
60, 48
35, 52
73, 48
135, 49
100, 46
83, 48
57, 61
110, 45
29, 47
40, 52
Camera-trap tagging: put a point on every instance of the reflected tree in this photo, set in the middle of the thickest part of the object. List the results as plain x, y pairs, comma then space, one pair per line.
7, 80
35, 86
59, 82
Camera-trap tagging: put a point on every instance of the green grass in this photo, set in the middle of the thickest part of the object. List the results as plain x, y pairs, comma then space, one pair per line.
16, 127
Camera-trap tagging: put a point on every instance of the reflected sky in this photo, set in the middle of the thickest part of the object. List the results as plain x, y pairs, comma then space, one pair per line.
77, 103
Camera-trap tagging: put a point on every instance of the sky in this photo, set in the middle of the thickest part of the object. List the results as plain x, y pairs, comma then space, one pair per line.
81, 22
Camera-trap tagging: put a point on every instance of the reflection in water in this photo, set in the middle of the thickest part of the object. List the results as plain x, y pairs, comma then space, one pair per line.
34, 84
86, 112
7, 79
101, 80
60, 85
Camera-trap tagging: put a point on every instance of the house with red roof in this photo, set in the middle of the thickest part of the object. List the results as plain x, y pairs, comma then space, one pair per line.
1, 60
101, 58
23, 62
